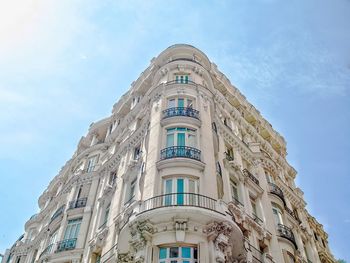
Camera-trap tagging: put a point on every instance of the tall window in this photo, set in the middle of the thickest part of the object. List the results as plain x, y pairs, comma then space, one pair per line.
180, 102
277, 214
180, 191
91, 164
106, 214
137, 152
253, 203
181, 137
178, 254
234, 191
53, 238
269, 177
131, 192
72, 229
182, 78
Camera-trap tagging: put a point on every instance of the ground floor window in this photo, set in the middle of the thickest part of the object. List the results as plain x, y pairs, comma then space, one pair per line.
178, 254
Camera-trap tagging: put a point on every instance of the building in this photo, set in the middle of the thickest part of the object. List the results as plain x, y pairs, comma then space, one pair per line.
184, 170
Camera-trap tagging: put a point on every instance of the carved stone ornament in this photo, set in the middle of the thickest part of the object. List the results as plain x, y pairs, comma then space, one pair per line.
141, 232
125, 258
219, 233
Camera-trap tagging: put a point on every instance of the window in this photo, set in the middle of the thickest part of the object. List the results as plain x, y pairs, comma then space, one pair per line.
253, 202
229, 154
112, 178
106, 214
176, 254
91, 164
137, 152
269, 178
72, 229
131, 193
180, 102
218, 168
234, 191
277, 214
180, 191
181, 137
53, 238
184, 78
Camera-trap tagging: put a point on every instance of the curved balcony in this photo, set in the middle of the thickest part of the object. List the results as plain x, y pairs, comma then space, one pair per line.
67, 244
180, 152
274, 189
179, 199
286, 232
181, 111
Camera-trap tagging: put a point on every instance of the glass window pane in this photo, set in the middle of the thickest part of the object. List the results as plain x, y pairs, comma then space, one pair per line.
170, 140
195, 253
174, 252
180, 190
180, 103
192, 140
162, 252
186, 252
168, 190
180, 139
171, 103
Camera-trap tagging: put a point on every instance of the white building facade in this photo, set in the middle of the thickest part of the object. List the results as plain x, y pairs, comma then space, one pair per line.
184, 170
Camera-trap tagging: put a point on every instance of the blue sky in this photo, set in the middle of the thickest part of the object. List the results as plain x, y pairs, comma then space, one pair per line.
63, 64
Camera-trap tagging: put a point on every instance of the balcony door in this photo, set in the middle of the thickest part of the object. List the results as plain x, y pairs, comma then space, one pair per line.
180, 191
72, 229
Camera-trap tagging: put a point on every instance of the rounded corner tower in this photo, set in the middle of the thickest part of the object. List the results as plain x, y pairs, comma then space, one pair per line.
184, 170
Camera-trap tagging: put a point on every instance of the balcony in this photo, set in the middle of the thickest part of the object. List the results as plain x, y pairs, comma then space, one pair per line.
286, 232
58, 212
251, 176
180, 152
179, 199
81, 202
274, 189
181, 111
67, 244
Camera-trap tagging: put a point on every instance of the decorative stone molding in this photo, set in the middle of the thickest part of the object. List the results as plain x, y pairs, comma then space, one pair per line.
141, 233
219, 233
125, 258
100, 239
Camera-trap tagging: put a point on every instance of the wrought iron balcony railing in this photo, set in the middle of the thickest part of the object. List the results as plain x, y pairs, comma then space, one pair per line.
179, 199
180, 151
81, 202
181, 111
274, 189
58, 212
287, 233
251, 176
67, 244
